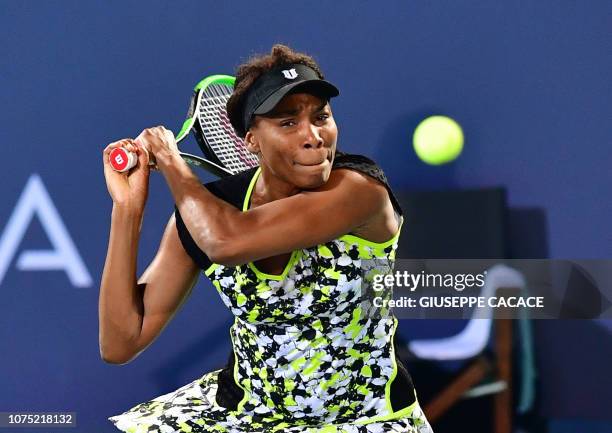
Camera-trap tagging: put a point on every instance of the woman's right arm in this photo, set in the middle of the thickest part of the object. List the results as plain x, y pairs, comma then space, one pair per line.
132, 313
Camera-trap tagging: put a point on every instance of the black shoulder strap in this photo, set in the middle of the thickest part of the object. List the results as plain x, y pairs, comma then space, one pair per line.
365, 165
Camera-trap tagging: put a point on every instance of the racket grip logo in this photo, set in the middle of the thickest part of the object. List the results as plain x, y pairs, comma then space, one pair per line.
122, 160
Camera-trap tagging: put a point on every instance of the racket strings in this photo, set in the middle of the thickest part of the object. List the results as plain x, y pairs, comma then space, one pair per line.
218, 131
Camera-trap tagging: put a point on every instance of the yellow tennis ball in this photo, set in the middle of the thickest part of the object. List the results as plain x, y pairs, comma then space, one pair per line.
438, 140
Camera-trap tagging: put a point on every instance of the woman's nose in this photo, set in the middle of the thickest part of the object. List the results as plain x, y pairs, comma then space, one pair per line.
312, 136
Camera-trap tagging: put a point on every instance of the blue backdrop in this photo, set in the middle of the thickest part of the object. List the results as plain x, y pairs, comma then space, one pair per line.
528, 81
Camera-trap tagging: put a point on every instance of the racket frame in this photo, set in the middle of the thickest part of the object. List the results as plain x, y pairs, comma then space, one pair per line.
212, 164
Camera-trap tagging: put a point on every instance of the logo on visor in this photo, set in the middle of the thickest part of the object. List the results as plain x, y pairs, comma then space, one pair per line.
290, 74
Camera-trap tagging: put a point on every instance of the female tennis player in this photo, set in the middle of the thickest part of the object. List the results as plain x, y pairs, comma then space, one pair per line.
289, 246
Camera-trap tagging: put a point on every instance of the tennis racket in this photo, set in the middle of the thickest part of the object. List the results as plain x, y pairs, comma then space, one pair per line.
207, 119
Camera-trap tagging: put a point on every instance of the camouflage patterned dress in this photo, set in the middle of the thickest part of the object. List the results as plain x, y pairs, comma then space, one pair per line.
308, 353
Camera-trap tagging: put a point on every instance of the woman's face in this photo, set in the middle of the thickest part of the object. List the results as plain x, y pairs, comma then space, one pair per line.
296, 142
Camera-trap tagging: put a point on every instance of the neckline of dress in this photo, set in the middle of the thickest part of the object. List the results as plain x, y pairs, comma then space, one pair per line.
245, 207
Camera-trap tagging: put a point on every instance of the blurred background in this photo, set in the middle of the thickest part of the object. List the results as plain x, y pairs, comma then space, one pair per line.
529, 83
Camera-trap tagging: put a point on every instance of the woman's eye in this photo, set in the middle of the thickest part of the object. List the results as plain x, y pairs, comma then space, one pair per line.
285, 123
323, 116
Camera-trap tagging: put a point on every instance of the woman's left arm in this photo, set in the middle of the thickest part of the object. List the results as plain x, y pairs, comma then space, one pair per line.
228, 236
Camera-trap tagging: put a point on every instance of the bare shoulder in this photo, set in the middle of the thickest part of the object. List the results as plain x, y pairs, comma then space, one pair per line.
349, 179
364, 190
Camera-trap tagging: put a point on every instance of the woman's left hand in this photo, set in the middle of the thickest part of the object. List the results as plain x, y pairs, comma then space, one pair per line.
160, 143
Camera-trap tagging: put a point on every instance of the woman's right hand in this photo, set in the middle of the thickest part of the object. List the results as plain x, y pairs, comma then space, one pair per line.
129, 189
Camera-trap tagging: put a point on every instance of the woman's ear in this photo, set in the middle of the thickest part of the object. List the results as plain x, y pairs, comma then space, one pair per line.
251, 142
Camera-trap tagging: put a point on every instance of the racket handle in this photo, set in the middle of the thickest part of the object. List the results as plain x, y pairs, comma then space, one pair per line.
123, 160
